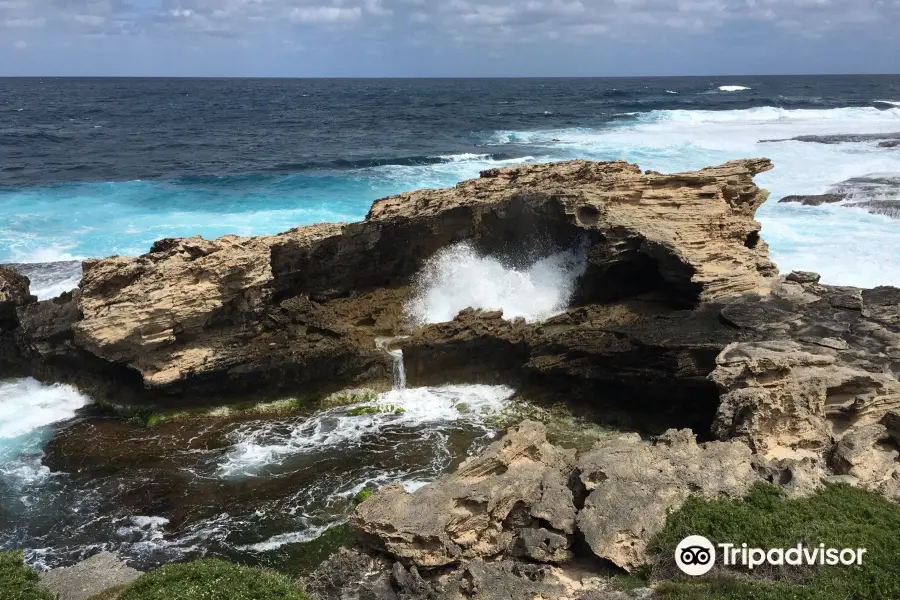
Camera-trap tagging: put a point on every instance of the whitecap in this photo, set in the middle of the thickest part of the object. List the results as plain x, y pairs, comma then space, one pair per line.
848, 247
733, 88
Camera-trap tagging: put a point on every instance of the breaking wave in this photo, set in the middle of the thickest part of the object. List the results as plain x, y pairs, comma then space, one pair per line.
458, 277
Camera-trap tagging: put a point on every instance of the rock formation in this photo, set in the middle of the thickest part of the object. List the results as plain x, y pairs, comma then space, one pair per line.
878, 194
303, 309
679, 329
524, 498
14, 295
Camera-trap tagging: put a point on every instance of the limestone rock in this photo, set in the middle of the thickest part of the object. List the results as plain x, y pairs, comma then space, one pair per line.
519, 482
869, 455
697, 228
823, 363
634, 484
88, 578
303, 309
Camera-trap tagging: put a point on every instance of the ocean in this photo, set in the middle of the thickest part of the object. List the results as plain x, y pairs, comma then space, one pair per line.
94, 167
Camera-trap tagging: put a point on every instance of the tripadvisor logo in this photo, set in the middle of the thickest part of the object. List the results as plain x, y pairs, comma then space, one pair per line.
695, 555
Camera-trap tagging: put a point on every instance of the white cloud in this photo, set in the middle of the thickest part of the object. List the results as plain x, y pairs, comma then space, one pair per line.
20, 45
325, 14
35, 22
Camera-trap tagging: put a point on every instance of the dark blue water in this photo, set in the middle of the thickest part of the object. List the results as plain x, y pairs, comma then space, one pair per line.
92, 167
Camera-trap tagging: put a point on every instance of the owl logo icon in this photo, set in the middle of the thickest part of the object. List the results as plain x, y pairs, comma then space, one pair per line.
695, 555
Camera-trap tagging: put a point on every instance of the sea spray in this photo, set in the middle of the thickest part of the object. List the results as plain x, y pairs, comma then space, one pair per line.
458, 277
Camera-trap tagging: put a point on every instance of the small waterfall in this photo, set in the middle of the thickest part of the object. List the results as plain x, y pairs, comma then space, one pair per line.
399, 370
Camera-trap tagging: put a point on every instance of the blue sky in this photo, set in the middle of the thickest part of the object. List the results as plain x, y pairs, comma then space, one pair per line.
385, 38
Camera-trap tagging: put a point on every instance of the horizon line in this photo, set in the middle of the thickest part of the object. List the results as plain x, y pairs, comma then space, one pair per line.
445, 77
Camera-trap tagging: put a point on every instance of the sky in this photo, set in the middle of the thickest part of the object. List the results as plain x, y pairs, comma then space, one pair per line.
446, 38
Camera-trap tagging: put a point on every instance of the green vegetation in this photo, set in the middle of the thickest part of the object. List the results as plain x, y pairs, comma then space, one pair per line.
213, 579
363, 495
18, 582
349, 396
379, 409
110, 594
839, 516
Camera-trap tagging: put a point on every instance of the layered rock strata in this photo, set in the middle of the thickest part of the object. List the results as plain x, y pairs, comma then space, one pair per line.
304, 309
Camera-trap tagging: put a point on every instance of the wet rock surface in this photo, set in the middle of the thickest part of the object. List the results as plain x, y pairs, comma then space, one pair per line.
878, 194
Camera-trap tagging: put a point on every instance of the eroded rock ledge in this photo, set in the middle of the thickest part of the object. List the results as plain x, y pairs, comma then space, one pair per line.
303, 309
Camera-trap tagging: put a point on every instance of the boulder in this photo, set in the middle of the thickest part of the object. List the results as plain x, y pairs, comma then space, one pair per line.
515, 494
102, 572
632, 486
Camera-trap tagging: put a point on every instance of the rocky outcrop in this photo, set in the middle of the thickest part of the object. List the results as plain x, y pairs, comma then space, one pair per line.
305, 309
878, 194
633, 485
526, 498
14, 294
515, 496
824, 363
354, 574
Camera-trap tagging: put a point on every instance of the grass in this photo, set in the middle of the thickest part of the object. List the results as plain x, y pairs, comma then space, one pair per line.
213, 579
839, 516
18, 582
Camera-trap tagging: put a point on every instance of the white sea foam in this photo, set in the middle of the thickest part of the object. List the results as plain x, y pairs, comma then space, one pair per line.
48, 254
27, 408
261, 443
847, 246
26, 405
458, 277
733, 88
277, 541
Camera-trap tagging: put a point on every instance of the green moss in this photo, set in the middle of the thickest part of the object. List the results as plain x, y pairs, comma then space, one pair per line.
348, 397
363, 410
213, 579
18, 582
379, 409
301, 559
839, 516
363, 495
